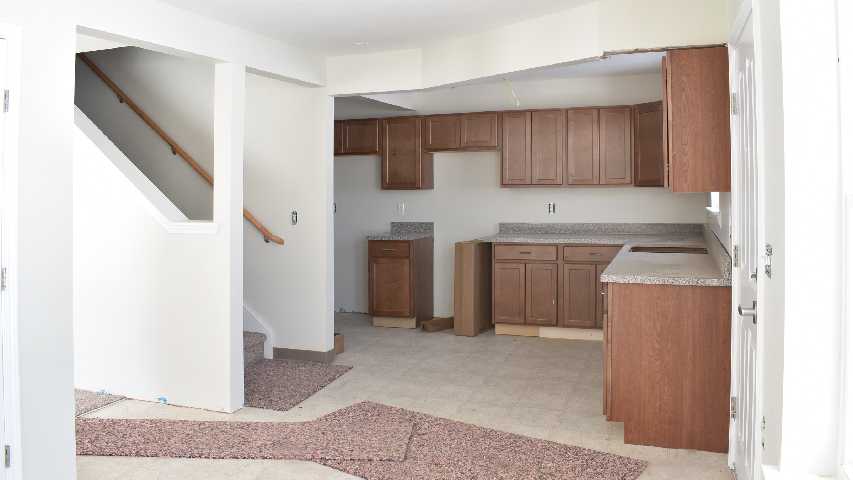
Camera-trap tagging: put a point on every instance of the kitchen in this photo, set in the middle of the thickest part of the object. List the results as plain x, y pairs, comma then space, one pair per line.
588, 186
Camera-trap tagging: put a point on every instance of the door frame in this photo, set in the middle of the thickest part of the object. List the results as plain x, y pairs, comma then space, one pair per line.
9, 160
744, 14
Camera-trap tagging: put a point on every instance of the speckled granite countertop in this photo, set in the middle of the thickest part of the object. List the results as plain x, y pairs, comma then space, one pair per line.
405, 231
712, 269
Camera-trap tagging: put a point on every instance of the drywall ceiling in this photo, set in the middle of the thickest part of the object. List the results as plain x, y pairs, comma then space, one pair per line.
619, 79
336, 27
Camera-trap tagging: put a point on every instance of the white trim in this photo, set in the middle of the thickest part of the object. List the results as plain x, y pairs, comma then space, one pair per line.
9, 254
845, 72
264, 326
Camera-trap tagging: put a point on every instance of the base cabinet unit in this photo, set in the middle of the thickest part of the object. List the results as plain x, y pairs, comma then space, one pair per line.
508, 293
579, 296
540, 296
404, 166
400, 278
667, 363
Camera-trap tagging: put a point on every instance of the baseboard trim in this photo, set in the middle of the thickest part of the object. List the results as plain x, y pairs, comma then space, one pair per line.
309, 355
590, 334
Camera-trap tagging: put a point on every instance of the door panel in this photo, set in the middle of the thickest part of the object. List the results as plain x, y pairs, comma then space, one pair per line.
515, 154
339, 138
441, 132
361, 137
541, 294
582, 156
648, 145
548, 146
479, 130
615, 146
509, 292
390, 287
401, 161
579, 296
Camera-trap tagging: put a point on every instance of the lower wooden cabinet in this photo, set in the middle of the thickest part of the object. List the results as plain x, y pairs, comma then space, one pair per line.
541, 294
508, 293
579, 299
400, 278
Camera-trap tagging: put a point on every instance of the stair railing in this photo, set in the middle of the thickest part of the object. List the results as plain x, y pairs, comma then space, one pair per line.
176, 149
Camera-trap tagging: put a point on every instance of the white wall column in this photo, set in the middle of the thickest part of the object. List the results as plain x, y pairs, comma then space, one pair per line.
229, 107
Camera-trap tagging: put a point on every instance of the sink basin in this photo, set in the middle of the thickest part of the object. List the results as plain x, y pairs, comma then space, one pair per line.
694, 250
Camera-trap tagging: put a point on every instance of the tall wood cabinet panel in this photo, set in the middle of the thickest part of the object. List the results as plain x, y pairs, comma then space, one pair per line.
403, 165
515, 154
547, 146
479, 130
615, 146
648, 145
582, 146
697, 96
541, 294
508, 293
578, 296
442, 132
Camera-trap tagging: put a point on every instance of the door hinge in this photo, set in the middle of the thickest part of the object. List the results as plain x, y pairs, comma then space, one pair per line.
7, 456
768, 260
2, 279
735, 256
733, 407
734, 103
5, 101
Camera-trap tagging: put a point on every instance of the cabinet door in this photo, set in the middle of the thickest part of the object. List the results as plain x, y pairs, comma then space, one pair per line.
600, 296
648, 145
441, 132
390, 287
401, 159
615, 146
515, 154
339, 138
541, 294
547, 146
361, 137
698, 111
479, 130
508, 299
582, 147
579, 296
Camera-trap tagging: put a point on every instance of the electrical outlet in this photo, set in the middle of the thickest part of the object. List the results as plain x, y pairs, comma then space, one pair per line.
401, 209
552, 208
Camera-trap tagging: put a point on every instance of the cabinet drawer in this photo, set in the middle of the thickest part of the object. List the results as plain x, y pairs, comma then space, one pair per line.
590, 254
526, 252
388, 248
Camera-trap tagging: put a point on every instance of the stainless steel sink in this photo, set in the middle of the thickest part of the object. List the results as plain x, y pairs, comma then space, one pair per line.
672, 249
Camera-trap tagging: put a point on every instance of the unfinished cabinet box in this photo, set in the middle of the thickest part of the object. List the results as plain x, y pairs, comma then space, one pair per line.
442, 132
515, 154
696, 94
400, 278
648, 145
547, 146
472, 288
403, 160
614, 139
479, 131
582, 146
357, 137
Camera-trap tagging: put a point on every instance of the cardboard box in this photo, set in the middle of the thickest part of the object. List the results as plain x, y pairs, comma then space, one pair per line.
472, 288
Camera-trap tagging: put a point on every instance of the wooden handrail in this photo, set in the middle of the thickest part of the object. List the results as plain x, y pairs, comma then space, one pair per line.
176, 149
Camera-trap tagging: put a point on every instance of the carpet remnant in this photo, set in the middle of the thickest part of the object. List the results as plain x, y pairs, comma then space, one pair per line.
449, 450
281, 384
86, 401
364, 431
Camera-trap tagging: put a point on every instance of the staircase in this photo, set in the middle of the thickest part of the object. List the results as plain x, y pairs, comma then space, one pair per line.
253, 347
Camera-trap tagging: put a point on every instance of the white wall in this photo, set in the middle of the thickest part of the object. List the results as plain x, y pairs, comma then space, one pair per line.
184, 111
468, 203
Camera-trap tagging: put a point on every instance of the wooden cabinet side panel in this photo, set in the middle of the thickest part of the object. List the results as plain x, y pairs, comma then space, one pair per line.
508, 293
423, 263
698, 96
541, 294
515, 153
665, 123
547, 146
615, 146
339, 137
582, 147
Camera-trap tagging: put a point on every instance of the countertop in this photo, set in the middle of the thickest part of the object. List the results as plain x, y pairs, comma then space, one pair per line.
403, 231
712, 269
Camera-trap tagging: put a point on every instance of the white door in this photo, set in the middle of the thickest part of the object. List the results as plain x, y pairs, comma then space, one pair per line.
747, 217
3, 307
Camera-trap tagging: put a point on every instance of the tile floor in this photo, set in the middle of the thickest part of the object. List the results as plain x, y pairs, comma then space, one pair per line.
543, 388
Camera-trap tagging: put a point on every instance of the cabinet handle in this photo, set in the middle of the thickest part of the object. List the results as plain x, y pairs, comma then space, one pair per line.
388, 250
525, 253
594, 254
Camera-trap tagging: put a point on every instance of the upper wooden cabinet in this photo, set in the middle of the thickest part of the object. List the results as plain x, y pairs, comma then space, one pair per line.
696, 94
515, 154
614, 142
582, 146
547, 146
357, 137
404, 164
479, 130
648, 145
442, 132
